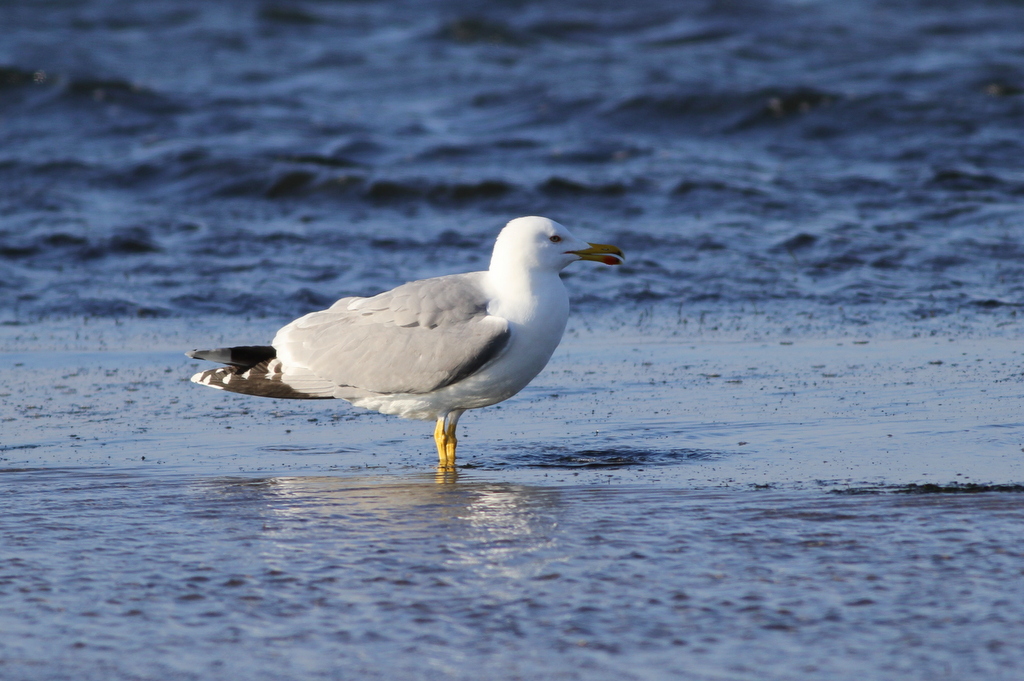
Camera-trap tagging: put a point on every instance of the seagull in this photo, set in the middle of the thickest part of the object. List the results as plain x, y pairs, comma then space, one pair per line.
428, 349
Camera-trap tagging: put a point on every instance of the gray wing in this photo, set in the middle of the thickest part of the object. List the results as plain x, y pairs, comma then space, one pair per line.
416, 338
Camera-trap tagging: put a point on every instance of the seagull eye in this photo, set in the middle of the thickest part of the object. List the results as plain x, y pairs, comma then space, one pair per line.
555, 239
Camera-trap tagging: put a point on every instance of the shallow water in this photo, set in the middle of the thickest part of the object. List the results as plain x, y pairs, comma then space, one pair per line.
782, 441
830, 511
141, 576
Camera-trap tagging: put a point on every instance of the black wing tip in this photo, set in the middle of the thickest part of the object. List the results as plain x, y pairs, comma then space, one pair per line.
242, 356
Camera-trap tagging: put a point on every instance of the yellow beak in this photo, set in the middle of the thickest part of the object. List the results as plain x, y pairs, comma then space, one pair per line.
609, 255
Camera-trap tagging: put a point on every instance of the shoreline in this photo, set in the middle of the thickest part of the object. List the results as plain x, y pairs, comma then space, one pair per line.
613, 406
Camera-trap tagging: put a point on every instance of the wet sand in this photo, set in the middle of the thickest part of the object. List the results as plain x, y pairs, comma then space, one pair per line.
631, 407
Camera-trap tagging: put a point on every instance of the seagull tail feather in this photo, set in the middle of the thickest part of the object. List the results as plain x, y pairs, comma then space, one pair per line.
255, 370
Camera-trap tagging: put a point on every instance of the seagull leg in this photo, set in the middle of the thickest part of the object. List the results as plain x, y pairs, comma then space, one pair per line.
449, 446
451, 420
441, 440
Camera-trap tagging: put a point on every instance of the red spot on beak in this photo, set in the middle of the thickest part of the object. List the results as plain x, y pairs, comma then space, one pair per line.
611, 260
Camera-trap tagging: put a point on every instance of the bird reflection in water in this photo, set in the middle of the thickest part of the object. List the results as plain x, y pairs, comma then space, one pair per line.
496, 528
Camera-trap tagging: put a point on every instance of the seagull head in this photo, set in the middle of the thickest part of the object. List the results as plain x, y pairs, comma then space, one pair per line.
536, 243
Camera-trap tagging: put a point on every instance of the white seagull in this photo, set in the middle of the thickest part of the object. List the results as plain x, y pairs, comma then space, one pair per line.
429, 349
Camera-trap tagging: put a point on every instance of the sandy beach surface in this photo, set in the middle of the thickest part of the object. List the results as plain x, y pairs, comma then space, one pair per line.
633, 404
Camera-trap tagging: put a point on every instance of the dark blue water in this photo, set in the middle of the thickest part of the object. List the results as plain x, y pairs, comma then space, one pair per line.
263, 158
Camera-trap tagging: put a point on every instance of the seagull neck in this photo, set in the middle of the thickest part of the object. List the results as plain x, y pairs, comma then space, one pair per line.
521, 292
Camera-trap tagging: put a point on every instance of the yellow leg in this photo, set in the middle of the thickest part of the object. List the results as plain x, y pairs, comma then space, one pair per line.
441, 440
444, 438
450, 443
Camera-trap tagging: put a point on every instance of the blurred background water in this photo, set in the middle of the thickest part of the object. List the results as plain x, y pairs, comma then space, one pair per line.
249, 158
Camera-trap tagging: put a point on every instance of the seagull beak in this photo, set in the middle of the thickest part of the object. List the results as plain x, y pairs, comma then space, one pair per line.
609, 255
